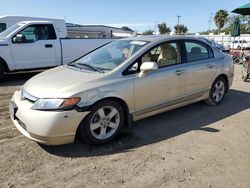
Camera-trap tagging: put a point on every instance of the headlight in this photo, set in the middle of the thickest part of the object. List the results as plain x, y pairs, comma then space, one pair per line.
55, 104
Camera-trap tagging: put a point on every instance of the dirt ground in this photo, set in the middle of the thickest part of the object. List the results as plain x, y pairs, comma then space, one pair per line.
194, 146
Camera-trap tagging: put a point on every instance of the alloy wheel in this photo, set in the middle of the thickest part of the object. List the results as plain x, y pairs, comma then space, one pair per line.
105, 122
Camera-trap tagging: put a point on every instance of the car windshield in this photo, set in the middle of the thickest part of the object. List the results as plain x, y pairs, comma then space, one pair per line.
109, 56
8, 31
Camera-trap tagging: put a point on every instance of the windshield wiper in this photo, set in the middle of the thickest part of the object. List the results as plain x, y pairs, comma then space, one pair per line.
91, 67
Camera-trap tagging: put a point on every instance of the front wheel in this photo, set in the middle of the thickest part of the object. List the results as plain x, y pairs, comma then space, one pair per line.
103, 123
217, 92
2, 73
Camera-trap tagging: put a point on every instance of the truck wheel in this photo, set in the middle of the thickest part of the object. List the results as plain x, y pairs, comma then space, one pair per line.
103, 123
217, 92
2, 73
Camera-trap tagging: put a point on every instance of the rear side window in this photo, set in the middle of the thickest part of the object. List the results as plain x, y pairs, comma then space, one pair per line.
2, 27
35, 33
198, 51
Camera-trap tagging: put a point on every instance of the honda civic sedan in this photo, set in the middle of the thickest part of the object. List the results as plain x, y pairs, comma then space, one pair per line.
117, 84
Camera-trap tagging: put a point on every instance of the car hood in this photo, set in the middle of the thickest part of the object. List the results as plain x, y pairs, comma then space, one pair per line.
60, 82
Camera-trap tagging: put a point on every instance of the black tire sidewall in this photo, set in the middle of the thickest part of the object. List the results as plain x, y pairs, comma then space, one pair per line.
85, 124
2, 72
212, 88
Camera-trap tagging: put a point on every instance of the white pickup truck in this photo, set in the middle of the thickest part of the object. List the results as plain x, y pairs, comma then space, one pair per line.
41, 44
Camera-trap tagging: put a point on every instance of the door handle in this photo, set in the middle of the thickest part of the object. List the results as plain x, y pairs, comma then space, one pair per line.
179, 72
210, 65
48, 45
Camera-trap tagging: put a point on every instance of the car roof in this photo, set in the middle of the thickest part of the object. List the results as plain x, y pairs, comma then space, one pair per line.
154, 38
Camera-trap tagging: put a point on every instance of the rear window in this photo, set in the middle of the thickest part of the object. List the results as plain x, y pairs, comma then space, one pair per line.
197, 51
2, 27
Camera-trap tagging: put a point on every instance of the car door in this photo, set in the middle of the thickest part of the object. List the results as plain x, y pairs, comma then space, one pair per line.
37, 48
164, 87
201, 67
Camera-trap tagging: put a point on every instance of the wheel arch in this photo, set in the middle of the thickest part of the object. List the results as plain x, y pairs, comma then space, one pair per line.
128, 116
224, 76
4, 64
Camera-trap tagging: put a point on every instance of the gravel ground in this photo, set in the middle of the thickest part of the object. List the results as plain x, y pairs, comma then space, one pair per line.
193, 146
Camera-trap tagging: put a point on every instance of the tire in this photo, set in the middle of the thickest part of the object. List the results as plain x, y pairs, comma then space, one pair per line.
217, 92
97, 127
2, 73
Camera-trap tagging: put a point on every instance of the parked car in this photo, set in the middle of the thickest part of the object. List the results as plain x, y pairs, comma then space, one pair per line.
238, 44
124, 81
217, 45
41, 44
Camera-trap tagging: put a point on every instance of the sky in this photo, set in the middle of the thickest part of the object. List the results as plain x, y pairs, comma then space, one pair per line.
139, 15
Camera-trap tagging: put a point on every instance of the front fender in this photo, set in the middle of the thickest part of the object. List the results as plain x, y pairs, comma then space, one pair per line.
121, 90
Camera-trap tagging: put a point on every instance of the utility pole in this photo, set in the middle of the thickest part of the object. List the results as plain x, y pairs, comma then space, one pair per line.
178, 17
210, 21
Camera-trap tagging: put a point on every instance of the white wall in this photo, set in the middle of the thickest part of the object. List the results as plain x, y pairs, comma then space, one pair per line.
226, 39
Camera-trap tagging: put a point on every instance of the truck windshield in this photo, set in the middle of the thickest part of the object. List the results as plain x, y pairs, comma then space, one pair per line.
8, 31
110, 56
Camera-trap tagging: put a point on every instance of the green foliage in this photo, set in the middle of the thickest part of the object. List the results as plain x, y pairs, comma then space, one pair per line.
126, 28
148, 32
180, 29
220, 19
163, 29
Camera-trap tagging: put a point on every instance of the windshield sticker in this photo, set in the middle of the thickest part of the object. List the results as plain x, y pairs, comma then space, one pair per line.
140, 43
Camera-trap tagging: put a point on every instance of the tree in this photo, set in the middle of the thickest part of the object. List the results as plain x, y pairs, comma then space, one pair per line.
180, 29
163, 29
126, 28
148, 32
220, 19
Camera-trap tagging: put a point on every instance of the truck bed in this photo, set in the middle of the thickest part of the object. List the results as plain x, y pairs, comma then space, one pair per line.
74, 48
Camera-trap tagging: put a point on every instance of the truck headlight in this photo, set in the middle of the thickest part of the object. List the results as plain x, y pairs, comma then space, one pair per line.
55, 104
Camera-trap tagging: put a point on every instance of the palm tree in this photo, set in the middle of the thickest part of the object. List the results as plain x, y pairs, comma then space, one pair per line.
220, 19
180, 29
163, 29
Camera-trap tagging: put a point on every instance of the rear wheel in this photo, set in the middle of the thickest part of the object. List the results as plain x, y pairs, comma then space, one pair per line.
103, 123
217, 92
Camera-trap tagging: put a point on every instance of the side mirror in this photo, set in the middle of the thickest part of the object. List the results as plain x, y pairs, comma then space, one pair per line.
18, 38
147, 67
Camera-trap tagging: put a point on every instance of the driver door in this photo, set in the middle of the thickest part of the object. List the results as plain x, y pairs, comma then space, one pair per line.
167, 85
37, 48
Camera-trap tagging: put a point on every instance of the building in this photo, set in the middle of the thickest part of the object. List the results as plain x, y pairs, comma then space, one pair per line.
96, 31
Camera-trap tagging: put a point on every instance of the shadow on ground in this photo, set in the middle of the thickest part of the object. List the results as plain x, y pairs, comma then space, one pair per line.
16, 79
161, 127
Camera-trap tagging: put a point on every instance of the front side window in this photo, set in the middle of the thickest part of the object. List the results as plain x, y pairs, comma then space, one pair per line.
164, 55
109, 56
34, 33
197, 51
2, 27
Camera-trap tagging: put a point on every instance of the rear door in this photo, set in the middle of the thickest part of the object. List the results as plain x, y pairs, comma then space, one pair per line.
37, 49
201, 67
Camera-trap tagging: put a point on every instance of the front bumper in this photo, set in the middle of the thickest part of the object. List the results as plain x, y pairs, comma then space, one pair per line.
46, 127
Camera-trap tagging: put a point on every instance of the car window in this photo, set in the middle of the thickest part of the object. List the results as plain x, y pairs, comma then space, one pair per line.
197, 51
34, 33
2, 27
166, 54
